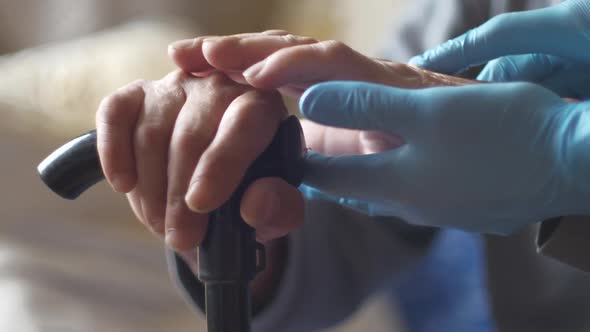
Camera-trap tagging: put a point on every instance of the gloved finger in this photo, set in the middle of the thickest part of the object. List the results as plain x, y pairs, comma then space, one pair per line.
238, 52
359, 178
273, 207
414, 115
163, 101
311, 193
115, 122
194, 129
188, 55
363, 106
245, 131
564, 25
526, 67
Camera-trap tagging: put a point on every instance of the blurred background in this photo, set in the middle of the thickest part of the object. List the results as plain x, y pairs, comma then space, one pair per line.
88, 265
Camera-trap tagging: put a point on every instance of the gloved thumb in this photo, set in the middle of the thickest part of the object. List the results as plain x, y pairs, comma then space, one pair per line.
354, 179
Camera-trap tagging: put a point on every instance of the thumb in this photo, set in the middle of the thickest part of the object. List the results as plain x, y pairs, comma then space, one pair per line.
355, 178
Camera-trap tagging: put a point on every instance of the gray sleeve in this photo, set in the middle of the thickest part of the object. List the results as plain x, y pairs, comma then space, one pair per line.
427, 23
566, 239
335, 261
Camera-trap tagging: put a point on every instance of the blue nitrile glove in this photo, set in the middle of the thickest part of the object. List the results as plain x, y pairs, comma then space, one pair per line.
486, 158
549, 46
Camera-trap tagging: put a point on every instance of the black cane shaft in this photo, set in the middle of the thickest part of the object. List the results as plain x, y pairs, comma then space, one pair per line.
228, 306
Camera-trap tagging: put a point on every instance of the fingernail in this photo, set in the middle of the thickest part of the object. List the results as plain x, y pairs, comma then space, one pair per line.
254, 70
195, 201
182, 44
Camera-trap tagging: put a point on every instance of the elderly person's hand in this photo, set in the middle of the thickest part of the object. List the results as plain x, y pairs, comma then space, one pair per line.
179, 146
275, 59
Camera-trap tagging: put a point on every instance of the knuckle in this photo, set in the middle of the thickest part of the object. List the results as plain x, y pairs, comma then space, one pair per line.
169, 92
149, 136
580, 12
189, 137
496, 26
265, 103
275, 32
175, 199
176, 78
218, 81
290, 38
294, 39
110, 110
333, 48
218, 87
250, 99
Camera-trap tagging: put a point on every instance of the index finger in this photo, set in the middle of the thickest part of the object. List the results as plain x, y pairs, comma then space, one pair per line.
188, 53
246, 129
115, 118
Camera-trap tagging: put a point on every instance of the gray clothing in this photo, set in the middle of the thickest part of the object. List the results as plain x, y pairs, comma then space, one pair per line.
339, 257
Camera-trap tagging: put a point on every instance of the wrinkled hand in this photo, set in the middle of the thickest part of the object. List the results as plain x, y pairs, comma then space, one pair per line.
278, 60
179, 146
548, 46
486, 158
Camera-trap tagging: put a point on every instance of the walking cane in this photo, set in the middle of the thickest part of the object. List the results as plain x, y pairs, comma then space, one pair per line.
229, 257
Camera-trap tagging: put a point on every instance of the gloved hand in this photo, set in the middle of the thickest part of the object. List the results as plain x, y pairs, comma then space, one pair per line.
549, 46
486, 158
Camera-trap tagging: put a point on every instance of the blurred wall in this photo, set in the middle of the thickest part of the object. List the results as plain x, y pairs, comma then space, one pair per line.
26, 23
